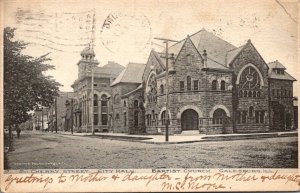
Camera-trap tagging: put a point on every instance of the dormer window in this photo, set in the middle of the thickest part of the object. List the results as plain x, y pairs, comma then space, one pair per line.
279, 71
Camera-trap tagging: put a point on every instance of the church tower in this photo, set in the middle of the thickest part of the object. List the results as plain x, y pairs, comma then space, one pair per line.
87, 59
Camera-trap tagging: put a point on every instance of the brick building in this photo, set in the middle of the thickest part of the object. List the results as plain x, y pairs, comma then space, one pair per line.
215, 87
81, 108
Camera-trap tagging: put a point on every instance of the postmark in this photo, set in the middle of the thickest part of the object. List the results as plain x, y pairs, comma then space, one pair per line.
122, 31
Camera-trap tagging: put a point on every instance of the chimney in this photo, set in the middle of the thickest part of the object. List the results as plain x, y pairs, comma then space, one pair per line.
205, 58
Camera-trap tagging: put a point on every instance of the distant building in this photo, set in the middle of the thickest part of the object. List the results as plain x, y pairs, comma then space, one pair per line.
83, 107
59, 106
40, 119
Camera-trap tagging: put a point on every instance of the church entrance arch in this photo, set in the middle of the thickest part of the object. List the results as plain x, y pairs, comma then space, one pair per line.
189, 120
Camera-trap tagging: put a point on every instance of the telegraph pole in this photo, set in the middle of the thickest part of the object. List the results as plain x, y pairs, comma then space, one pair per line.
166, 41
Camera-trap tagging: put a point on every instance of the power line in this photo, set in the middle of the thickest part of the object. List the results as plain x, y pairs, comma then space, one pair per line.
61, 44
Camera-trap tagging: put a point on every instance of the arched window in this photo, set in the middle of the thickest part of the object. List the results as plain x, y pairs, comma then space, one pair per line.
249, 78
188, 82
241, 93
258, 94
254, 94
124, 103
151, 89
195, 84
95, 100
251, 111
222, 85
161, 89
245, 93
117, 99
163, 118
250, 94
214, 85
103, 100
136, 118
117, 116
104, 110
219, 116
136, 104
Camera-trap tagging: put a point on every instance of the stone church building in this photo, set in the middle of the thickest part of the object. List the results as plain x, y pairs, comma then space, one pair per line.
214, 87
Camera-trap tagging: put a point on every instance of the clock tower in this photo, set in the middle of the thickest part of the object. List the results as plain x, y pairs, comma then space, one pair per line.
87, 59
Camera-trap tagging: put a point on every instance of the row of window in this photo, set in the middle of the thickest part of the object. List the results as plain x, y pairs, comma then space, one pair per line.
135, 118
214, 85
249, 94
281, 93
104, 119
279, 71
259, 115
103, 100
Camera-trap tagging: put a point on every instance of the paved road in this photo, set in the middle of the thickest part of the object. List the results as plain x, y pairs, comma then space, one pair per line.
49, 150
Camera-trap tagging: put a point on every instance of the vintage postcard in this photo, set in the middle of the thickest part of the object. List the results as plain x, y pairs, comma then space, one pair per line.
150, 95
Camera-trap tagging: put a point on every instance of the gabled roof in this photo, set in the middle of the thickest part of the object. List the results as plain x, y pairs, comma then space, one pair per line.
203, 40
111, 68
276, 64
231, 54
212, 64
158, 57
133, 91
133, 73
274, 75
285, 76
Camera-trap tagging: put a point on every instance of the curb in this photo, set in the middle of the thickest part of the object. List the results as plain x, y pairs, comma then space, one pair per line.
203, 139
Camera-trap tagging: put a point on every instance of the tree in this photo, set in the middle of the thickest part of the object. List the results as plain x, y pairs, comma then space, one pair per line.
26, 87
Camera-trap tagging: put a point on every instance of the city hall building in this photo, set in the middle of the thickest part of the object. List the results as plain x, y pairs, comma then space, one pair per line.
214, 87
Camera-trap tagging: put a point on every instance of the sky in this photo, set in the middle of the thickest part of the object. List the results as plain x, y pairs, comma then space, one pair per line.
124, 31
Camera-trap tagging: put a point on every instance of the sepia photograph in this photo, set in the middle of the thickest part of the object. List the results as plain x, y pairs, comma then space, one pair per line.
153, 87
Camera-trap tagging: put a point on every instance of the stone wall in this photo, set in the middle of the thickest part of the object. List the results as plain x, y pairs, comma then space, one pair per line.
281, 96
250, 57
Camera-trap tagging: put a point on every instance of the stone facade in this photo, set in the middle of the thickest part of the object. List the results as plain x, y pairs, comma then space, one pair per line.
252, 98
214, 88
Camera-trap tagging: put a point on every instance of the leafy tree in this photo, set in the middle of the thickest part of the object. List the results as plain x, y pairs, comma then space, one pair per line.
26, 87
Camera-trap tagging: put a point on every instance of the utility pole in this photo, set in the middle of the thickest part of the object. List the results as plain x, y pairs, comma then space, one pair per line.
166, 41
42, 118
56, 115
92, 65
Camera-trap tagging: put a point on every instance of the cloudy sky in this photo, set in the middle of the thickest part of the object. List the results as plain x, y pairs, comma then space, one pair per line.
124, 30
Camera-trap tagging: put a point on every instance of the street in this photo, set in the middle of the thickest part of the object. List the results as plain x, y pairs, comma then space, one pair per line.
57, 151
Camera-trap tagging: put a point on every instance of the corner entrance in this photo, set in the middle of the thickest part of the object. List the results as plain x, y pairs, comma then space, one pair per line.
189, 120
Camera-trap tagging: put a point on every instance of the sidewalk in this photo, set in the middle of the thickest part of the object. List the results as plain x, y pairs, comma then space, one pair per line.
177, 139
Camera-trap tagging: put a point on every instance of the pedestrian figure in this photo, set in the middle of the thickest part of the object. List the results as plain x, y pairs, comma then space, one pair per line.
18, 132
